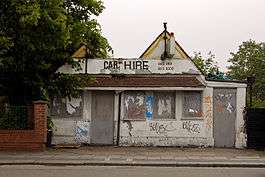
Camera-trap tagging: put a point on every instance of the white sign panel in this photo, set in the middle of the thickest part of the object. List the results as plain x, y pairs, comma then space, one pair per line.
135, 66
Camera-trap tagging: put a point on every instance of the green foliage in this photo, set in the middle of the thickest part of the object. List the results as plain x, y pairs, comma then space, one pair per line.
14, 118
39, 36
207, 65
50, 124
249, 60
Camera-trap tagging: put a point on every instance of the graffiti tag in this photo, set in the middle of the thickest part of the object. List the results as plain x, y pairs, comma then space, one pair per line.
191, 127
223, 102
208, 115
161, 128
82, 132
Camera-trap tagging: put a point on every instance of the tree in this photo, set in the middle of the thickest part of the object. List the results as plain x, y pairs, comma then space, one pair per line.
208, 66
39, 36
249, 60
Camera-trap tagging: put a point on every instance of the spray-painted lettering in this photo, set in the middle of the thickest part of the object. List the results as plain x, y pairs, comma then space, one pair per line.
191, 127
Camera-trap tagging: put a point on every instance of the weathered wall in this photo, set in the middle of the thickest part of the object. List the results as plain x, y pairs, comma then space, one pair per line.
71, 119
224, 105
75, 128
241, 135
172, 129
146, 120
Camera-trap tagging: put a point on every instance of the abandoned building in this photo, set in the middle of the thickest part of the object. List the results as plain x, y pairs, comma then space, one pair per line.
158, 99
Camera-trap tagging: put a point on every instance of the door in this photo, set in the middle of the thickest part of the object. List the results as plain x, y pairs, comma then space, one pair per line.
102, 115
224, 112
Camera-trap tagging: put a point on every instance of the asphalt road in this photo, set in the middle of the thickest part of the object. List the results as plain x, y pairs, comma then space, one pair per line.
107, 171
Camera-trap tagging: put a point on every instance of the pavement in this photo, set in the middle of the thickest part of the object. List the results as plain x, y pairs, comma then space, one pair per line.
138, 156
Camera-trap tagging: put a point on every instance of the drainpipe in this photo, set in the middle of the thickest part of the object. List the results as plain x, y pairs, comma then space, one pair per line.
119, 119
86, 66
86, 58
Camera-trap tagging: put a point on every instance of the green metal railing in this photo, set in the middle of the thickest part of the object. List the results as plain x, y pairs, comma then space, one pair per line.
15, 117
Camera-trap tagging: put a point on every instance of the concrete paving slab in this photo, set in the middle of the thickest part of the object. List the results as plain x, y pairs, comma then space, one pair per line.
138, 156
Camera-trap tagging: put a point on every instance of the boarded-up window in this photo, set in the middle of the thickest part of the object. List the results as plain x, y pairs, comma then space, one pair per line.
192, 104
65, 108
164, 105
134, 105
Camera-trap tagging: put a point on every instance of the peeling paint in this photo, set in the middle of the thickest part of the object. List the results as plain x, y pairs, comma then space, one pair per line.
164, 106
130, 127
134, 106
223, 102
64, 108
192, 106
208, 115
73, 104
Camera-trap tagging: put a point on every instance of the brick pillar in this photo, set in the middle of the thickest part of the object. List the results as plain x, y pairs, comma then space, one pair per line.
40, 121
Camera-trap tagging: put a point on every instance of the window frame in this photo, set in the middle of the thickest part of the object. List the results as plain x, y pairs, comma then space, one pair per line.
173, 92
125, 113
185, 117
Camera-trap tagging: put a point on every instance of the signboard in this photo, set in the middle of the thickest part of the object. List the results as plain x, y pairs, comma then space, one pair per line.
134, 66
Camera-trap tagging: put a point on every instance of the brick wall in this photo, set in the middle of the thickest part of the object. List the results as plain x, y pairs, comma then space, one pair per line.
29, 140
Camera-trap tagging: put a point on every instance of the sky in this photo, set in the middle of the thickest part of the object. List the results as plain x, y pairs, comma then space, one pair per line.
219, 26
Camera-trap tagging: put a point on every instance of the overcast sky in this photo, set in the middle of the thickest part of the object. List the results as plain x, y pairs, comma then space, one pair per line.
219, 26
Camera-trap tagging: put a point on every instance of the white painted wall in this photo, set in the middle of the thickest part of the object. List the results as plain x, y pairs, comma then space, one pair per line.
71, 130
241, 136
172, 132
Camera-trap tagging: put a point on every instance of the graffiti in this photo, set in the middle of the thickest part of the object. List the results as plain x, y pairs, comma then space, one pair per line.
134, 105
73, 104
208, 115
156, 127
161, 128
223, 102
191, 127
82, 132
64, 107
229, 107
149, 107
130, 127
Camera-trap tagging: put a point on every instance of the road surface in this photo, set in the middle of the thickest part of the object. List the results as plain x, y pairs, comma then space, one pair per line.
109, 171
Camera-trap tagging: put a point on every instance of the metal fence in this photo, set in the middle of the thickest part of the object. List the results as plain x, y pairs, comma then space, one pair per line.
15, 117
256, 127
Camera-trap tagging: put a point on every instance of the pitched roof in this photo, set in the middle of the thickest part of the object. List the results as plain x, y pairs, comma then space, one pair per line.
144, 81
156, 42
81, 52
